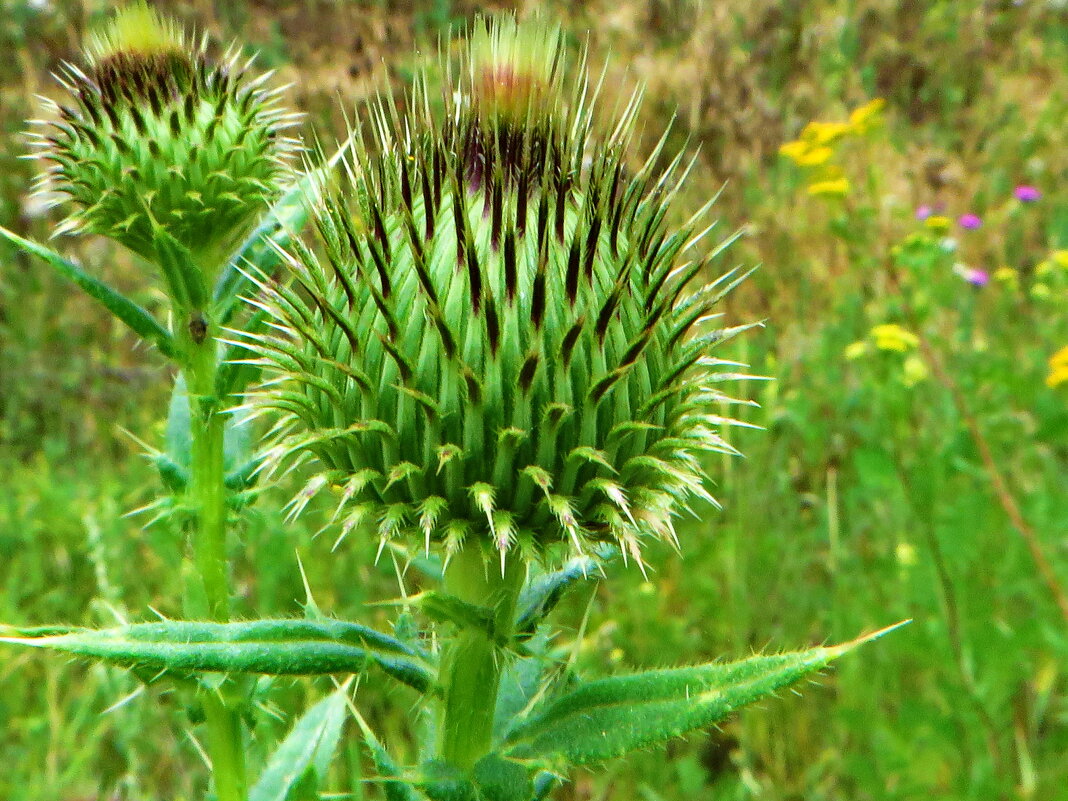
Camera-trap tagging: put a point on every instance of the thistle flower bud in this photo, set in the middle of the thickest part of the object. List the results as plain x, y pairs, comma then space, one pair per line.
499, 342
156, 132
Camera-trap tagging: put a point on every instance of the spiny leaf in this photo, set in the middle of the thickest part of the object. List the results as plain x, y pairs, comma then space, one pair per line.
284, 218
237, 447
308, 748
444, 608
139, 321
273, 647
605, 719
544, 592
394, 787
497, 778
185, 280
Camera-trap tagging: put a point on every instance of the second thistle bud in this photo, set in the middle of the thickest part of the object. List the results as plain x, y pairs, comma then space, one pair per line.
156, 133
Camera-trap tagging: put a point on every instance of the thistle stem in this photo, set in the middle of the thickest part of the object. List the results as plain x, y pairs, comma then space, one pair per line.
473, 661
208, 495
225, 748
208, 482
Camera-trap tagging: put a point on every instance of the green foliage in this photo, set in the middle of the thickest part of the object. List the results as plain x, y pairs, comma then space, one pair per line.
544, 592
606, 718
140, 321
239, 460
865, 500
298, 767
275, 647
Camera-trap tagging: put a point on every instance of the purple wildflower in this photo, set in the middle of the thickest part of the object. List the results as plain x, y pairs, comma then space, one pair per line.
923, 212
1027, 194
970, 221
973, 276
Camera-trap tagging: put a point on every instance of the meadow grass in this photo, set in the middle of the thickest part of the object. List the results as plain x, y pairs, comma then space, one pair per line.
866, 500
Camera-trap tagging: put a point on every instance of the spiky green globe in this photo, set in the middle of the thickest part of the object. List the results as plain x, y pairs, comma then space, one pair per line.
156, 132
498, 340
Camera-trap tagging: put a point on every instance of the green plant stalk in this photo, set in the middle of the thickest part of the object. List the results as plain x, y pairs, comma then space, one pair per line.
225, 748
208, 477
472, 665
208, 490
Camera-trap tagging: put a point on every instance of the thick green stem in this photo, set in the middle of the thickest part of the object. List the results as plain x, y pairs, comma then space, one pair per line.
471, 668
208, 496
208, 479
226, 750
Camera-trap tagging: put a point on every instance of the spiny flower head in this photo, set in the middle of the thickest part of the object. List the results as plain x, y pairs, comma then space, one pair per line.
500, 340
513, 71
156, 133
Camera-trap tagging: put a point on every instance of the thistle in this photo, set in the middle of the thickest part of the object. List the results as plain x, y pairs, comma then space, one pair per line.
159, 136
496, 353
501, 342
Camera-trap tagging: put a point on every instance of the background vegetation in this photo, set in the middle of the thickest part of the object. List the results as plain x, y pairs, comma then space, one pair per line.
900, 475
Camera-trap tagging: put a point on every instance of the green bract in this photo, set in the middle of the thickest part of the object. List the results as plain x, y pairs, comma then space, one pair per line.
158, 135
500, 340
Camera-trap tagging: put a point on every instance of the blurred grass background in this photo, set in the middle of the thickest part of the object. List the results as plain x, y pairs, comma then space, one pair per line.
865, 501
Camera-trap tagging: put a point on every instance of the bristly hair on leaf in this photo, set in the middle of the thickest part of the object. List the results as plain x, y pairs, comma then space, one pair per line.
500, 327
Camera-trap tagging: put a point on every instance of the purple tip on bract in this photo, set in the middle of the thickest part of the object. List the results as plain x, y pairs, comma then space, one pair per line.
970, 221
923, 212
1027, 194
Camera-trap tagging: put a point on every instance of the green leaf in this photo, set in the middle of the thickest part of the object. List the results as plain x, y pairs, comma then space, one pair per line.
499, 779
184, 278
605, 719
521, 680
256, 254
239, 461
441, 781
544, 783
394, 786
303, 758
274, 647
235, 371
139, 321
545, 592
444, 608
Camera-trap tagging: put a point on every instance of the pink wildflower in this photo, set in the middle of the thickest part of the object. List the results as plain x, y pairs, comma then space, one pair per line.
1027, 194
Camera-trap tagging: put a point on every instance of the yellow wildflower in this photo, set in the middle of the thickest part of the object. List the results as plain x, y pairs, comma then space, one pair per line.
866, 117
1005, 275
938, 223
856, 350
905, 553
914, 371
1040, 292
795, 150
815, 157
821, 134
1044, 269
1057, 376
836, 188
1060, 258
891, 336
1058, 368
